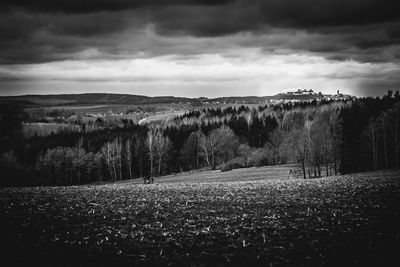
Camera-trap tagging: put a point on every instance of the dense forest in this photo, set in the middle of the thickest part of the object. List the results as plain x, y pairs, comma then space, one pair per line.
324, 137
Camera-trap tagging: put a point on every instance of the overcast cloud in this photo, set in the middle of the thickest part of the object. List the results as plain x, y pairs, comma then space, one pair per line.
199, 47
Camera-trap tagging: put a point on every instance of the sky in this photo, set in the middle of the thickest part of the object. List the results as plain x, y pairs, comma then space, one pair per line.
197, 48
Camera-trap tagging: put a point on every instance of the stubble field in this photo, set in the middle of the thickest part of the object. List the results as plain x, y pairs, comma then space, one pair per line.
334, 221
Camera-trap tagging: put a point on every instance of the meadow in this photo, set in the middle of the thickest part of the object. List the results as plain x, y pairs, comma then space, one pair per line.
335, 221
280, 172
44, 129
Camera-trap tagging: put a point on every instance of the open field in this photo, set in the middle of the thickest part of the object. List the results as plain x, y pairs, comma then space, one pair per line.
43, 129
335, 221
161, 117
116, 108
246, 174
84, 108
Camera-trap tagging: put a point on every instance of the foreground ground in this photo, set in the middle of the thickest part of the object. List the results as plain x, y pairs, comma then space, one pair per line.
335, 221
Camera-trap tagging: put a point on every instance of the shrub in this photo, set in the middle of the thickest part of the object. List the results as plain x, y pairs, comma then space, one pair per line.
234, 164
258, 158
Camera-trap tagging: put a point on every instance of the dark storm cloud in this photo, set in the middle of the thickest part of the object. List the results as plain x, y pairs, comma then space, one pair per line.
252, 15
88, 6
315, 13
208, 21
348, 29
40, 31
27, 37
296, 13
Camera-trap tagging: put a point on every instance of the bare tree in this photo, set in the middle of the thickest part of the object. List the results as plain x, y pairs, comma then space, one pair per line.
321, 142
151, 149
79, 157
205, 150
209, 146
304, 147
372, 141
394, 124
140, 150
107, 155
128, 156
296, 138
335, 131
227, 144
111, 153
192, 149
382, 128
273, 145
118, 144
161, 145
219, 145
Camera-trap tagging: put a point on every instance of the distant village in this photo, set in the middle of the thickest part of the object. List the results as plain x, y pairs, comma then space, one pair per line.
299, 95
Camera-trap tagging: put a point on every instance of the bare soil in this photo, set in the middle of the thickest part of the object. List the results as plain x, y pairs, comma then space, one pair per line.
351, 220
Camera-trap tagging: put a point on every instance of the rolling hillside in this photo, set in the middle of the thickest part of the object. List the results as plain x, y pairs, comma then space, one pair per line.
127, 99
94, 98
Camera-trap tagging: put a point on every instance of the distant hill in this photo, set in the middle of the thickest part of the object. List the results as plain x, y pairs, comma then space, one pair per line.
126, 99
95, 98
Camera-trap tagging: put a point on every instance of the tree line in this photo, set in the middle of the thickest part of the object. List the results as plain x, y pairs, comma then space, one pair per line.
323, 138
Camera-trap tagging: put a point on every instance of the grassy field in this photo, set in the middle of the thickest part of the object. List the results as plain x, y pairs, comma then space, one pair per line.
336, 221
161, 117
116, 108
44, 129
237, 175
